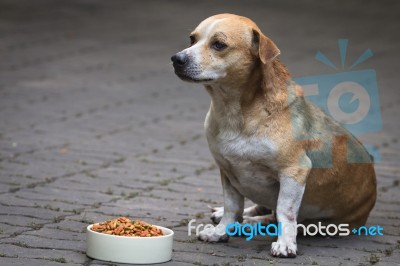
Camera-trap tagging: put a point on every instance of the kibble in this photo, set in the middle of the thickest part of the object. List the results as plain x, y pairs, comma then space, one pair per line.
123, 226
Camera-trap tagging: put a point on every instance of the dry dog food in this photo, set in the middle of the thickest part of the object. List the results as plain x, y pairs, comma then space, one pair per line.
123, 226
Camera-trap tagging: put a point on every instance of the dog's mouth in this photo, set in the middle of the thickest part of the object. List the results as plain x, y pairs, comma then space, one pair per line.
190, 75
189, 78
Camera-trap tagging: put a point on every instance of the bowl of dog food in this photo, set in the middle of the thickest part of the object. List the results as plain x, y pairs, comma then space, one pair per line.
123, 240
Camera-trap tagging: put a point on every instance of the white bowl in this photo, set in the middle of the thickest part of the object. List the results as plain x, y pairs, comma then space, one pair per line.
124, 249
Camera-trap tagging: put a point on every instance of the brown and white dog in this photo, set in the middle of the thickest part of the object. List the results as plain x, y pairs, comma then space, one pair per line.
260, 130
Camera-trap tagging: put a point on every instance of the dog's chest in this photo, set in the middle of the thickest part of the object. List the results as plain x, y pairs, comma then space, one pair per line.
247, 160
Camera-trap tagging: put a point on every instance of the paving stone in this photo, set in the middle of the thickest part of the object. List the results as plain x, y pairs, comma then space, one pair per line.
31, 261
21, 220
32, 253
31, 241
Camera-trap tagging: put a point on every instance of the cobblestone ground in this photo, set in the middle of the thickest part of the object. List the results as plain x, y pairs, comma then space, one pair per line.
94, 124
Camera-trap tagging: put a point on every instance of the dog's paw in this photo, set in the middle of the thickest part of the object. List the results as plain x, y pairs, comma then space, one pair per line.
217, 213
249, 220
264, 219
211, 235
283, 249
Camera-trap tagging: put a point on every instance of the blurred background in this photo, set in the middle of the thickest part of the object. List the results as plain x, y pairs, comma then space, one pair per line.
94, 123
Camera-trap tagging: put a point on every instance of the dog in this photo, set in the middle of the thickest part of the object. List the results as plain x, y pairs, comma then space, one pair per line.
263, 135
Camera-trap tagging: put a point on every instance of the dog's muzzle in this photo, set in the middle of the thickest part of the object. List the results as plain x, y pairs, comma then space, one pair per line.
186, 70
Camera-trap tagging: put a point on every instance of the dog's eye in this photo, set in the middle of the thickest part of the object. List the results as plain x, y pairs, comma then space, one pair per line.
192, 39
219, 46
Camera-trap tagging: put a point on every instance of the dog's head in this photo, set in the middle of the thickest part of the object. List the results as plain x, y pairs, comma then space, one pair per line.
223, 47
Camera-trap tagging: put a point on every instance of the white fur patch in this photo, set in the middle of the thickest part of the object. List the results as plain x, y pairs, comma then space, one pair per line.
234, 146
290, 196
195, 52
248, 163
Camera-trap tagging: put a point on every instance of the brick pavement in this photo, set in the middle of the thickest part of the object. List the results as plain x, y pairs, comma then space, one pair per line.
94, 124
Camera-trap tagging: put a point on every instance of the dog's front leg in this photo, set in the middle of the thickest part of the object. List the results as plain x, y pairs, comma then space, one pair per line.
233, 211
290, 195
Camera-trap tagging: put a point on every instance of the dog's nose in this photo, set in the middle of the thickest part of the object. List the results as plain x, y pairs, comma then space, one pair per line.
180, 59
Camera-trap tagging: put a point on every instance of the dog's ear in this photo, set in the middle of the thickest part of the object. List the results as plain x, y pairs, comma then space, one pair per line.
267, 50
